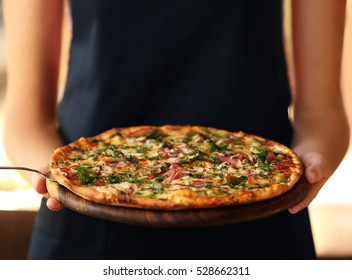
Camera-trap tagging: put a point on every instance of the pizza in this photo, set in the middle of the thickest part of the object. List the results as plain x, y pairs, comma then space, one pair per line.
175, 167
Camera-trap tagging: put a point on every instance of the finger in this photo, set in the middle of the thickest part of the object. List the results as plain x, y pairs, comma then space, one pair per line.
39, 182
316, 167
312, 193
54, 204
317, 171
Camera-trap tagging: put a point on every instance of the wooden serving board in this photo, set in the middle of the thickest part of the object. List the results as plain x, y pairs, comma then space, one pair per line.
184, 218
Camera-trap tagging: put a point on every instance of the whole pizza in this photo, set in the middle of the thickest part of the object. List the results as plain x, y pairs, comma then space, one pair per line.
175, 167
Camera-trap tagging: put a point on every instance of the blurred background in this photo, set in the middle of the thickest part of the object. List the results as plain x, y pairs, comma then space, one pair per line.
331, 211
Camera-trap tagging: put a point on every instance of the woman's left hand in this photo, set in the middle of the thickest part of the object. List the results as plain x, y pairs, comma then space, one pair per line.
317, 172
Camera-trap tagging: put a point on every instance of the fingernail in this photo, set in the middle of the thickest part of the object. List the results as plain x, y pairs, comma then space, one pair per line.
313, 176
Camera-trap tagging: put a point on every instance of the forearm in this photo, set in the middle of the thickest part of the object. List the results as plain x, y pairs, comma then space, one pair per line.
326, 132
319, 118
33, 39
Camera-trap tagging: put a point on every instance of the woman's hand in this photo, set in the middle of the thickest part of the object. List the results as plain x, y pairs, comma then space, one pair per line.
39, 184
317, 171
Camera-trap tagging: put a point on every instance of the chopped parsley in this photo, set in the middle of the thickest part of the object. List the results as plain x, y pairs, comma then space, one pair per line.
124, 177
237, 183
262, 154
95, 141
264, 166
131, 159
282, 180
214, 134
214, 159
216, 148
167, 145
156, 187
156, 135
85, 176
114, 179
196, 175
189, 136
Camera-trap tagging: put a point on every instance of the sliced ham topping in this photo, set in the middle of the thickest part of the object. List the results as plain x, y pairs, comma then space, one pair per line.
100, 183
228, 177
129, 190
200, 138
173, 173
170, 155
153, 176
198, 183
249, 172
236, 159
232, 160
221, 142
70, 173
175, 170
119, 164
183, 148
177, 175
271, 156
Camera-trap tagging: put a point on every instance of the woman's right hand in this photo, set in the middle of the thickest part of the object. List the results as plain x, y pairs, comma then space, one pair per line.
39, 184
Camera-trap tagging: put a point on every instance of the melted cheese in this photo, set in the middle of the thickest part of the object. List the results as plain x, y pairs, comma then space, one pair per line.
210, 164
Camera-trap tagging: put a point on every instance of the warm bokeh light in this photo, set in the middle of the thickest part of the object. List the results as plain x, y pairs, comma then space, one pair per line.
15, 192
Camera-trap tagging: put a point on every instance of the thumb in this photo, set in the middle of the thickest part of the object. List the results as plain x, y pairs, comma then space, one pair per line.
316, 167
38, 181
39, 184
317, 171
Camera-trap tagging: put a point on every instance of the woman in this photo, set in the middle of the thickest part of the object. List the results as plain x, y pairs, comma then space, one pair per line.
209, 63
